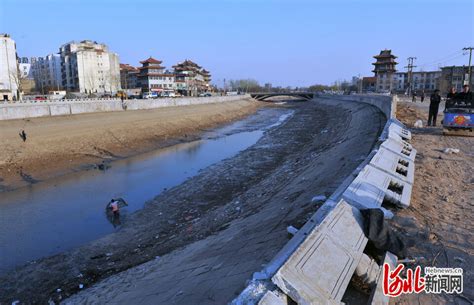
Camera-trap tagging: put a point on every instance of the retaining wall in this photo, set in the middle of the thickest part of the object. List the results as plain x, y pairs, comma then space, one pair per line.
31, 109
386, 104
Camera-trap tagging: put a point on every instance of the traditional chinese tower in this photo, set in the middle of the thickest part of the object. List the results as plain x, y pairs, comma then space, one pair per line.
384, 67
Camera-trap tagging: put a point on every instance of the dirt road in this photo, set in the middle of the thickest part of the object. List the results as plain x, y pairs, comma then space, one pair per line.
440, 219
58, 145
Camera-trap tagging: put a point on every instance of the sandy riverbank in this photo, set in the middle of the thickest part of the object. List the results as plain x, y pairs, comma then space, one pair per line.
440, 219
58, 145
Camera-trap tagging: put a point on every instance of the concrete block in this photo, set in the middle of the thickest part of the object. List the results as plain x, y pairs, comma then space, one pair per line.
394, 164
400, 130
272, 298
368, 270
377, 297
319, 271
403, 148
372, 187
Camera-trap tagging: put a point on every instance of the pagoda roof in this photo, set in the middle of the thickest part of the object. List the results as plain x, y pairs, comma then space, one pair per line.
385, 63
156, 74
385, 54
187, 64
151, 60
158, 67
127, 67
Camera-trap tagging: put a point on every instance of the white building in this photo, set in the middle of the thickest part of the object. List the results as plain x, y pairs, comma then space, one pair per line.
9, 77
89, 67
47, 73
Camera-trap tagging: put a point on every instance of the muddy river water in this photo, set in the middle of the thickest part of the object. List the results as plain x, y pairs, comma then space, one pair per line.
52, 216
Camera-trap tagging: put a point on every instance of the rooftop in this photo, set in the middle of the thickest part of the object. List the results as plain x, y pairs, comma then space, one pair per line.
151, 60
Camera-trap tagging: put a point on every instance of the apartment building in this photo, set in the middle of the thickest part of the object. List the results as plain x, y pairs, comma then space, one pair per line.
47, 73
89, 67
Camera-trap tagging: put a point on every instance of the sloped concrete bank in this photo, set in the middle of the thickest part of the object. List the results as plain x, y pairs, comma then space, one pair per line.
317, 265
32, 109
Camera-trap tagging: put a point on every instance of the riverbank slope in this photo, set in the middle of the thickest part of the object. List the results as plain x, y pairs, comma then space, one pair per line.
58, 145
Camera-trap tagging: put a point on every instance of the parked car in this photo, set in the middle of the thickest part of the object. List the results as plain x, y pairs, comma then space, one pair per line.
40, 98
168, 94
205, 94
149, 95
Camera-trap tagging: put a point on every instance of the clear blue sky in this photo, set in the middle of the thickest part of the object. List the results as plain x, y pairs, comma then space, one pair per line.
289, 42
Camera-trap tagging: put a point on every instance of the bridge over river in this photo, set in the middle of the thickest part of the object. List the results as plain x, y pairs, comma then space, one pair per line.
265, 95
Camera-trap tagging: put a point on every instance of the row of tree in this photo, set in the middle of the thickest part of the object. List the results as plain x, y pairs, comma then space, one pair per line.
252, 85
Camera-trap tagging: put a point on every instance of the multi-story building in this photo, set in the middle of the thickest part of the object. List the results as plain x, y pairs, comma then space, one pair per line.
384, 68
426, 81
129, 76
454, 76
47, 73
191, 79
154, 78
89, 67
9, 76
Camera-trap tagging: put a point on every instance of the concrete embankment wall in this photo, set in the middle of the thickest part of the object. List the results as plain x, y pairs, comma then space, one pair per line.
386, 104
32, 109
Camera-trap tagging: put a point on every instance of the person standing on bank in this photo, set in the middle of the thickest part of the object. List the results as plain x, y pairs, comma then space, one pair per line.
435, 99
422, 96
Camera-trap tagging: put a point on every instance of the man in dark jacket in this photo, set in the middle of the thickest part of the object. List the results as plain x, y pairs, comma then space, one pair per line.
435, 99
465, 95
450, 98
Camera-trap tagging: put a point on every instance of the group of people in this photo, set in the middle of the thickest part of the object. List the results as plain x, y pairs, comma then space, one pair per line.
452, 98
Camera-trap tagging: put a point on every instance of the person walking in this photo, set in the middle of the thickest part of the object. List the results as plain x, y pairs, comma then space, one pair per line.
422, 96
413, 97
435, 99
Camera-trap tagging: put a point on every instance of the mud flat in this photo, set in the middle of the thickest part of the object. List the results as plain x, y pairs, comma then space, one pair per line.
59, 145
199, 242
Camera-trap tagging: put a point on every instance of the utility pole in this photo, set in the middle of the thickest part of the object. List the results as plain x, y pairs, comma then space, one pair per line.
469, 69
410, 73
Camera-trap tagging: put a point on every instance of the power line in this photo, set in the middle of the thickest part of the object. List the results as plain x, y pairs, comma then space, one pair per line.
444, 58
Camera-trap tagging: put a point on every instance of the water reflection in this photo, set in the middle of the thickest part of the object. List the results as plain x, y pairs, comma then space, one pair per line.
56, 215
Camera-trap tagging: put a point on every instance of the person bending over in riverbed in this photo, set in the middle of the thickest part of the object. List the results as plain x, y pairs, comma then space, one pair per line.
114, 206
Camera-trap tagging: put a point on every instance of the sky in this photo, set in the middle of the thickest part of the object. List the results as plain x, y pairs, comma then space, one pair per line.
286, 43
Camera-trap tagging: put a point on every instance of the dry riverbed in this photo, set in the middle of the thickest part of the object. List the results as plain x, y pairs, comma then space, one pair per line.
214, 230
